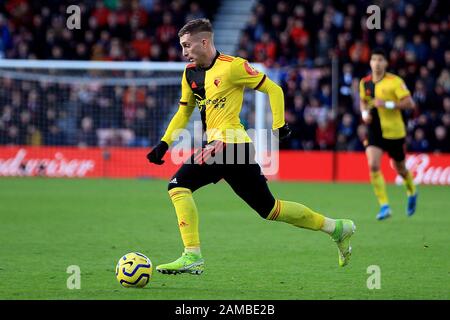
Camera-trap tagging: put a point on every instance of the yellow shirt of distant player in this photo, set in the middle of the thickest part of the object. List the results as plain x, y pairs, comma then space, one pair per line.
390, 88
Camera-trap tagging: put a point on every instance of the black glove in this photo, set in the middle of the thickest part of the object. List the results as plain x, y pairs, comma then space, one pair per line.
283, 133
158, 153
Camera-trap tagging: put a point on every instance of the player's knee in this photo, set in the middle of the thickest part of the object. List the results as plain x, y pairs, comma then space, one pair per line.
264, 208
401, 169
178, 193
374, 167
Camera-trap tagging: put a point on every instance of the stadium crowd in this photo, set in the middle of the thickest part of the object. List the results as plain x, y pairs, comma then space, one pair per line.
40, 113
302, 38
298, 40
46, 113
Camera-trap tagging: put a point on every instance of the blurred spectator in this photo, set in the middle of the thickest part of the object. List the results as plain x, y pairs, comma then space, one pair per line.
166, 32
34, 136
359, 52
419, 142
132, 99
325, 135
441, 141
308, 132
316, 110
5, 36
87, 136
195, 12
55, 137
254, 28
444, 80
140, 126
346, 127
323, 45
345, 84
341, 142
141, 44
100, 13
265, 50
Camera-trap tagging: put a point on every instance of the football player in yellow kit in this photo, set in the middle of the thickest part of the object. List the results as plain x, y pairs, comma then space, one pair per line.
383, 97
215, 83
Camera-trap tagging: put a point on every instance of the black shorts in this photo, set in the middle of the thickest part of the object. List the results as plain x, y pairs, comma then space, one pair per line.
233, 162
396, 148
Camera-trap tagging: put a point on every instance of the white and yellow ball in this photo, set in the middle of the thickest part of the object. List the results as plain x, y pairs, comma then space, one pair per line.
134, 270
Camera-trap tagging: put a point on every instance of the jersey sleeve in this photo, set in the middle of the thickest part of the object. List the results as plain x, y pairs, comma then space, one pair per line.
181, 117
243, 74
187, 96
362, 92
401, 90
276, 99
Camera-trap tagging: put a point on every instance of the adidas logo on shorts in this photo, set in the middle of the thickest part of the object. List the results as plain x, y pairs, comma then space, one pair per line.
174, 181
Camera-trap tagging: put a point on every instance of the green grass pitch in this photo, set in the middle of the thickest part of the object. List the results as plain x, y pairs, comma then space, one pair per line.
47, 225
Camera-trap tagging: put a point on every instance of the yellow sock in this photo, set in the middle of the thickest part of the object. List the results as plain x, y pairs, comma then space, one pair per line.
187, 215
409, 184
296, 214
379, 187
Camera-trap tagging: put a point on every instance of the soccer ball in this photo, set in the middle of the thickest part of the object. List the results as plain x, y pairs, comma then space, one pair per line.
134, 270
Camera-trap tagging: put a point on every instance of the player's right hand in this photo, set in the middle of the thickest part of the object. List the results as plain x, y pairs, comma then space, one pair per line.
284, 132
155, 156
365, 115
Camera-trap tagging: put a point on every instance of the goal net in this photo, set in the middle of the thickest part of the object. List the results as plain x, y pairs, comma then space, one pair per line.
96, 119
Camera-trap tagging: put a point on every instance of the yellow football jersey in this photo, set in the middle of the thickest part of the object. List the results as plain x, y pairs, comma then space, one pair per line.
218, 92
389, 88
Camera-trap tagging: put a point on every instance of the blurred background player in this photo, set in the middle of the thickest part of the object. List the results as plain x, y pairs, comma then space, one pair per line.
383, 97
210, 77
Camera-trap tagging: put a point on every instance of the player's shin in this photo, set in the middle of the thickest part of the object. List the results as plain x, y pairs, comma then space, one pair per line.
296, 214
187, 215
379, 187
409, 184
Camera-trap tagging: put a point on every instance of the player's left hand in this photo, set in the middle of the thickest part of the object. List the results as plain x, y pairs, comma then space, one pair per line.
157, 153
283, 132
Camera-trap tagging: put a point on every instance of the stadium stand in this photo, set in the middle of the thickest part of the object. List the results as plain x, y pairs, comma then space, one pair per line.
111, 30
296, 39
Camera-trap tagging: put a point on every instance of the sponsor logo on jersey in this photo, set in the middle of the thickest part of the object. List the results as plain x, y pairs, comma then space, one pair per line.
250, 70
216, 103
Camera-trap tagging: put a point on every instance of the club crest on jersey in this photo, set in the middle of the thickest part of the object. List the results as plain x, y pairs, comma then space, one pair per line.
183, 224
250, 70
217, 82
